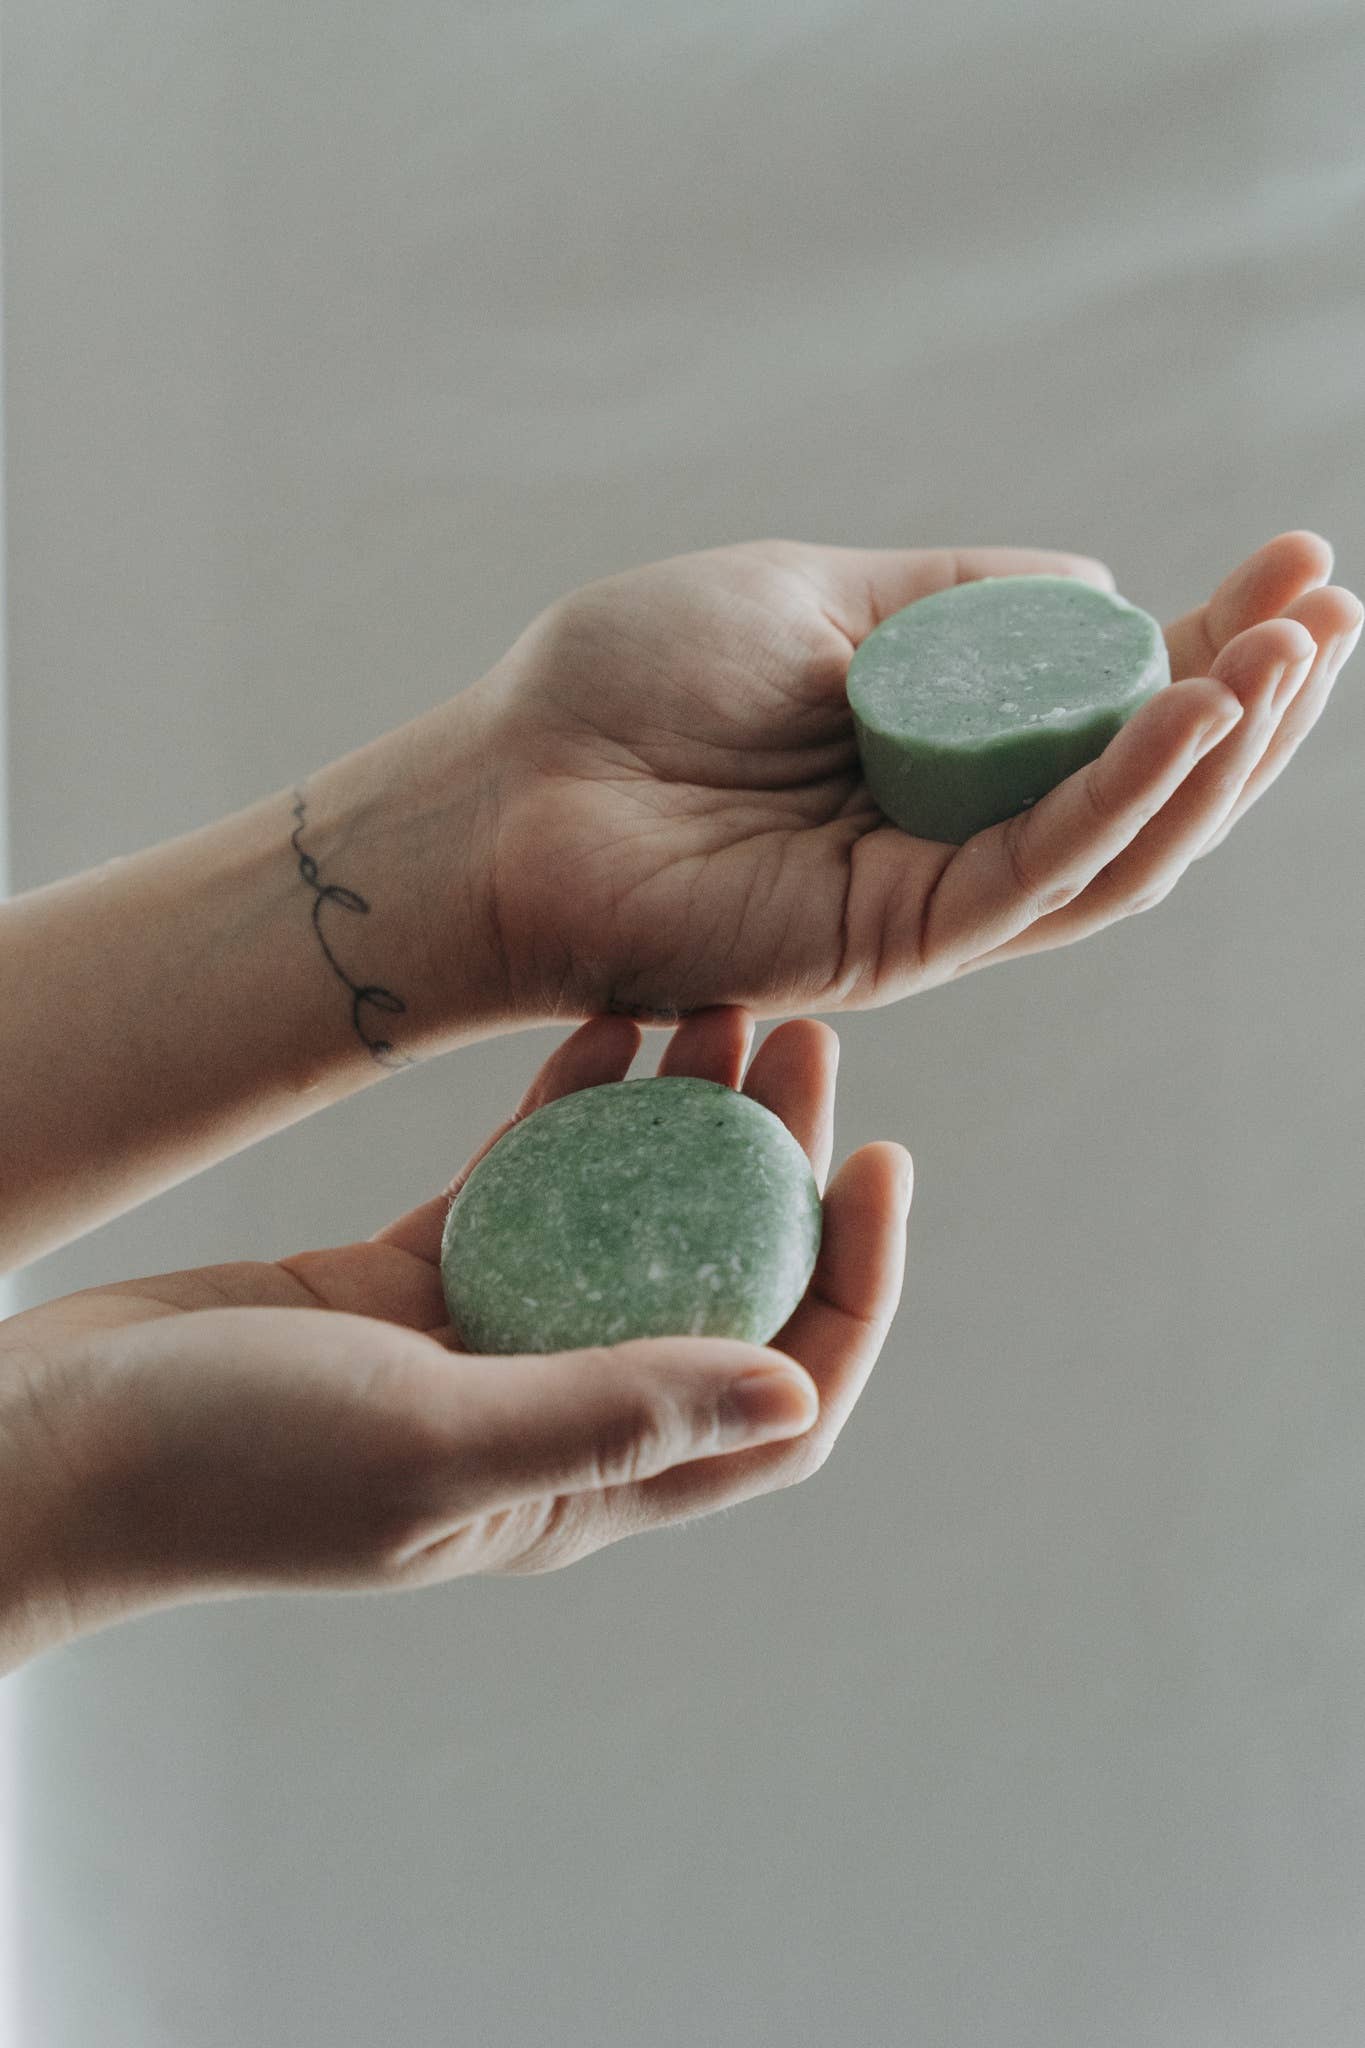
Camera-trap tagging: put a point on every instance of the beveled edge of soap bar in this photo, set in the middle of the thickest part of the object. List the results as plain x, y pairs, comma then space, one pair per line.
1066, 719
957, 593
926, 782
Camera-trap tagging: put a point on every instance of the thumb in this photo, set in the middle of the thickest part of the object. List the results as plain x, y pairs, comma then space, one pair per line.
580, 1421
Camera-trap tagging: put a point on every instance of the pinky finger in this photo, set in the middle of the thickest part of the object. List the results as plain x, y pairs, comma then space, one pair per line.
1298, 722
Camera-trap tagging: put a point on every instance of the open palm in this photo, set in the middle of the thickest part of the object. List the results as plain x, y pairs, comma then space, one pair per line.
686, 822
313, 1420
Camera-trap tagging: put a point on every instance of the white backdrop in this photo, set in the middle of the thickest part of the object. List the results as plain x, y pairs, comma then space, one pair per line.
341, 338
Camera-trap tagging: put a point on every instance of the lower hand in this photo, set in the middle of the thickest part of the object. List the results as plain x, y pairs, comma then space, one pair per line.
683, 822
312, 1422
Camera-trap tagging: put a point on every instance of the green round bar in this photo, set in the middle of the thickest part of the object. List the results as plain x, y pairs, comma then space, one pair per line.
663, 1207
971, 704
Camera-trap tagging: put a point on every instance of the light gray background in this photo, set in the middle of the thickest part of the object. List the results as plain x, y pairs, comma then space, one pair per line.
340, 339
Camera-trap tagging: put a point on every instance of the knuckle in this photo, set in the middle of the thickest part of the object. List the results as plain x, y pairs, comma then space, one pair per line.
1055, 898
641, 1435
1093, 795
1017, 856
1038, 896
556, 1533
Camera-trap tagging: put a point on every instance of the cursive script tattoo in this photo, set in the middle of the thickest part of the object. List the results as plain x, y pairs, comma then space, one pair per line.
363, 994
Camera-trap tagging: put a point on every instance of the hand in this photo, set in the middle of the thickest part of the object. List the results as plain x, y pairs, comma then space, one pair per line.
312, 1422
684, 823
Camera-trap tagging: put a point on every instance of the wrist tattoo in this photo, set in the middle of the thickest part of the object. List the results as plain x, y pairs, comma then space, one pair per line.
643, 1013
364, 995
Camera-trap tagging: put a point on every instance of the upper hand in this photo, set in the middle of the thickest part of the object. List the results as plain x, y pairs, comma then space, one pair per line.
683, 821
313, 1422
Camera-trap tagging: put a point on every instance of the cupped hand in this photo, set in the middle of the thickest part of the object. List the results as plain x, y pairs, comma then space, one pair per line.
313, 1421
683, 821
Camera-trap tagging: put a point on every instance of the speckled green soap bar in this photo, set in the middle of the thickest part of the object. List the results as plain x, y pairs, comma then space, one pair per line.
971, 704
665, 1207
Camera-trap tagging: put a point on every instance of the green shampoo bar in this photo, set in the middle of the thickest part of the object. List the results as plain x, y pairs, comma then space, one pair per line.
657, 1208
971, 704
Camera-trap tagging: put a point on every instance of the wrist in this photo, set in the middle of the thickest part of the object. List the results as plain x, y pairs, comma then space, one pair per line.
407, 826
90, 1522
40, 1510
175, 1005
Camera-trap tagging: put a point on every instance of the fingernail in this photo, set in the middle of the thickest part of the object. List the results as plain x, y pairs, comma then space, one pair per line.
767, 1403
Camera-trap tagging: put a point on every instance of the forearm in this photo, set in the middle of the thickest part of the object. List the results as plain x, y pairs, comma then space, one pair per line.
169, 1008
31, 1618
64, 1562
35, 1608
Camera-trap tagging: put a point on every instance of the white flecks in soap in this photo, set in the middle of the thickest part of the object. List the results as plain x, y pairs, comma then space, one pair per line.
645, 1208
967, 672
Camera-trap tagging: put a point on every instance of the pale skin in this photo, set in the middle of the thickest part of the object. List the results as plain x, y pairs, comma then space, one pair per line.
649, 805
316, 1423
